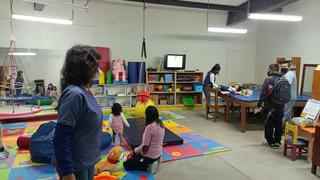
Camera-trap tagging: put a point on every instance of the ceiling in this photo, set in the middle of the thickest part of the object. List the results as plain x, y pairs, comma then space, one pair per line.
223, 2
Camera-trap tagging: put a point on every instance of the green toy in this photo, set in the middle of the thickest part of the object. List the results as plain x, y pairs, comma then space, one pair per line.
109, 77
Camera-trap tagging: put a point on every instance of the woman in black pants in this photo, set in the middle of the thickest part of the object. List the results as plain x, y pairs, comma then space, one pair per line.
147, 155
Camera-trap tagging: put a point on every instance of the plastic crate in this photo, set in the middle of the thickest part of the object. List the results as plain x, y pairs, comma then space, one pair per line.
188, 101
197, 87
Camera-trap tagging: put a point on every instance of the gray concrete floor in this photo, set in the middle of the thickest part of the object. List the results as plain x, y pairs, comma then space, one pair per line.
249, 158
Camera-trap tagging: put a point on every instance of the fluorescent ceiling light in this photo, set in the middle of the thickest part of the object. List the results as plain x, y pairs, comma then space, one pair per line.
41, 19
59, 4
275, 17
22, 54
227, 30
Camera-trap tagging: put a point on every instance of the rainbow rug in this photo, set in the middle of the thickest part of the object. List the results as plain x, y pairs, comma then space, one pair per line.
19, 166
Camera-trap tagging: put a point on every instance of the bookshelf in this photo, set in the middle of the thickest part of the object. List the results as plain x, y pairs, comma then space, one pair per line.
169, 88
107, 94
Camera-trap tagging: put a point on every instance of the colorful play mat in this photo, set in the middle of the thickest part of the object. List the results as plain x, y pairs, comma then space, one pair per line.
19, 166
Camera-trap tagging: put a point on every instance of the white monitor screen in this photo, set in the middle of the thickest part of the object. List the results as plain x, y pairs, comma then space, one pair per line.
175, 61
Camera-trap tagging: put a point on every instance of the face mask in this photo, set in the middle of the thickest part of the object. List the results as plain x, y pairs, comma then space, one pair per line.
268, 73
284, 70
90, 83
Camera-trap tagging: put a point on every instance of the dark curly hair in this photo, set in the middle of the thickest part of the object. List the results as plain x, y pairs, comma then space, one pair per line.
80, 65
116, 109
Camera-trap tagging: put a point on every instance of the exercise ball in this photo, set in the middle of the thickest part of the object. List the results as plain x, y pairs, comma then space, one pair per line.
106, 140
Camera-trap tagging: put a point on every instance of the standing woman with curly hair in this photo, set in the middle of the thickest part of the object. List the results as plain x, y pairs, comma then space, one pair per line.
77, 136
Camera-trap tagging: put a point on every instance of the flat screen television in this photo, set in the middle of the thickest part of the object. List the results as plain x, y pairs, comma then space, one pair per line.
175, 61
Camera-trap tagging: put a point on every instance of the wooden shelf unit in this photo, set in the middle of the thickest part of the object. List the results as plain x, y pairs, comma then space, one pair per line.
160, 82
107, 94
178, 79
155, 92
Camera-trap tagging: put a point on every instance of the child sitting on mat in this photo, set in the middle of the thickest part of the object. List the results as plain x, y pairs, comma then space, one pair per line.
147, 155
116, 121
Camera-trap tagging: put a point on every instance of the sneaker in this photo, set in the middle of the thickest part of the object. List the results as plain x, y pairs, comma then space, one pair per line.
274, 146
4, 154
210, 116
278, 144
154, 167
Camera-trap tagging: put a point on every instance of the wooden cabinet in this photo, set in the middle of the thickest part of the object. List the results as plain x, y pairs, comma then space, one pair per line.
316, 84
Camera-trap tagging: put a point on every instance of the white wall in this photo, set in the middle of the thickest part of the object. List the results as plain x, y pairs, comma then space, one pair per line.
278, 39
119, 26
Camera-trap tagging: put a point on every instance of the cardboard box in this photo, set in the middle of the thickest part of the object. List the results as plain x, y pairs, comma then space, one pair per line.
155, 99
163, 102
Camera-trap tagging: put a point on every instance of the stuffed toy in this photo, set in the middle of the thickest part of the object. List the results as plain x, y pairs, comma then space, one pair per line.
111, 162
105, 176
118, 69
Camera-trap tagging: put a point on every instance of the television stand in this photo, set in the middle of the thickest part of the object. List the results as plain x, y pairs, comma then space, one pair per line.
187, 71
170, 88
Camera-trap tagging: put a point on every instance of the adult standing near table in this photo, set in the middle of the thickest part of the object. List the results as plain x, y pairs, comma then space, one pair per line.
19, 83
210, 82
273, 111
77, 138
286, 71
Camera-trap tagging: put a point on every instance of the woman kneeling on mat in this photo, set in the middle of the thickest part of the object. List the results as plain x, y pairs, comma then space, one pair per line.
147, 155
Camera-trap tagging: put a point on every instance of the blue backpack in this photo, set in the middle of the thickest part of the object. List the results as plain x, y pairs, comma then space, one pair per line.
41, 145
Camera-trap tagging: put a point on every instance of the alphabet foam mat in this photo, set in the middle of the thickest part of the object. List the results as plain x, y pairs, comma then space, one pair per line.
20, 167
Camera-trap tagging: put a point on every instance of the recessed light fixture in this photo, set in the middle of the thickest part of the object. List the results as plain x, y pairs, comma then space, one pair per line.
227, 30
275, 17
60, 4
41, 19
22, 54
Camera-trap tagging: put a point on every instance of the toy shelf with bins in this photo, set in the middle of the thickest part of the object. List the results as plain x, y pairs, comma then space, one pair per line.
169, 87
107, 94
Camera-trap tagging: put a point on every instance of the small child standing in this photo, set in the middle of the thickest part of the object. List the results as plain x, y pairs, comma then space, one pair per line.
116, 121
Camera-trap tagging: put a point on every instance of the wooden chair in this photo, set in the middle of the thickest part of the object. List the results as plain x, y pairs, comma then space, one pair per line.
291, 141
214, 104
316, 151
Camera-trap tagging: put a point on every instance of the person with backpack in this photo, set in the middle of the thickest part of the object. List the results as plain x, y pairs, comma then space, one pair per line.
210, 82
275, 93
292, 79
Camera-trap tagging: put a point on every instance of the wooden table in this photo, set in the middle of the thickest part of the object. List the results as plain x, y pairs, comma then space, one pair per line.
243, 109
307, 133
249, 102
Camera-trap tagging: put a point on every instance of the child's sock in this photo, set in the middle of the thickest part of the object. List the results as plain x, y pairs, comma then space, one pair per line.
125, 158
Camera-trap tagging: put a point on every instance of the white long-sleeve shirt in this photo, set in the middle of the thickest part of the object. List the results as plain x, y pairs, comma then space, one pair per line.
212, 80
